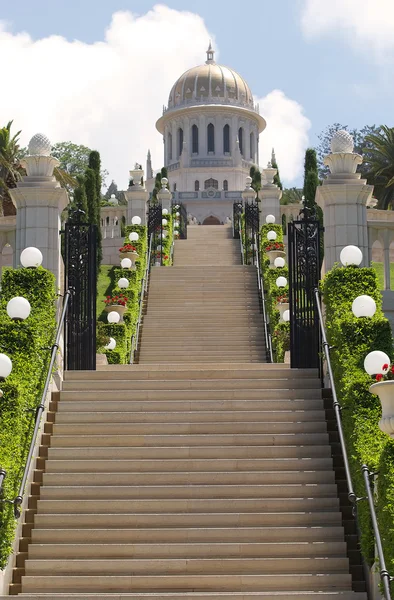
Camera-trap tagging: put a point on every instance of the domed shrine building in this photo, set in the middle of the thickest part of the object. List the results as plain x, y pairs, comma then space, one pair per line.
210, 130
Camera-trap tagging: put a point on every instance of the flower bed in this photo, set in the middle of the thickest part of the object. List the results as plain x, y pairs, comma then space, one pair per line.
353, 338
26, 343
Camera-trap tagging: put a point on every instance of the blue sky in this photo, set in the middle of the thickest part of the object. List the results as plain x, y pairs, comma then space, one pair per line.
329, 65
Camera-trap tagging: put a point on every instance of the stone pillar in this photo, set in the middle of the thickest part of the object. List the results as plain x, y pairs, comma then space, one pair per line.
270, 196
137, 197
343, 198
165, 196
39, 201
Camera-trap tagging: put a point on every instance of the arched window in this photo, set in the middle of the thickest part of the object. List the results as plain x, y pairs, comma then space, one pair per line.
211, 183
180, 141
226, 139
252, 147
169, 146
211, 137
194, 139
241, 140
196, 185
225, 185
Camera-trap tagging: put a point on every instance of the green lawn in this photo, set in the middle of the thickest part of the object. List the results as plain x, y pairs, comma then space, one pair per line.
378, 266
106, 282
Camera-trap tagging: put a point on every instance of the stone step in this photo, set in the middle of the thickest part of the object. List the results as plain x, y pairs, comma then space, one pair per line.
187, 550
285, 393
178, 371
235, 534
198, 416
181, 429
329, 595
183, 566
74, 502
273, 453
198, 582
200, 384
194, 519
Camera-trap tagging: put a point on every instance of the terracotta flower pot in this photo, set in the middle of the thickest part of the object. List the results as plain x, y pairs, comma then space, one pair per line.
282, 307
117, 308
131, 255
385, 391
272, 254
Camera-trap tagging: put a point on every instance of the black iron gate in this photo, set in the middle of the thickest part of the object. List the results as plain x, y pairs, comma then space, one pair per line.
304, 275
182, 219
155, 228
251, 229
237, 212
80, 252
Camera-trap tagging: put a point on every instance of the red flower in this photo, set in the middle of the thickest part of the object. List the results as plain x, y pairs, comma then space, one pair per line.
392, 369
379, 377
385, 367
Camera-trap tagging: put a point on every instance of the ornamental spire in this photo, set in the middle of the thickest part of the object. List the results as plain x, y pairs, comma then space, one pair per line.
210, 54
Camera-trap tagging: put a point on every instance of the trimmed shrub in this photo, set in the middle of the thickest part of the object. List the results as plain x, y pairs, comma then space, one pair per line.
28, 344
353, 338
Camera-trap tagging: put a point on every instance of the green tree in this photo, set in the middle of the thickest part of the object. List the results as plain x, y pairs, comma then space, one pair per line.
159, 176
291, 196
95, 164
380, 161
78, 209
277, 180
112, 189
311, 177
9, 167
74, 158
255, 174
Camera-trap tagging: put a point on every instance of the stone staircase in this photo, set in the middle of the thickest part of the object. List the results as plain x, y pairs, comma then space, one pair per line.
185, 481
206, 307
200, 473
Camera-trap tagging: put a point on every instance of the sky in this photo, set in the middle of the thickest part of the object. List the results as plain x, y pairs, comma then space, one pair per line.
98, 72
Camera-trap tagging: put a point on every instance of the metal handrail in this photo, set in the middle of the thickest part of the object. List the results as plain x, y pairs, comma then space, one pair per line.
384, 575
266, 321
241, 243
144, 287
17, 502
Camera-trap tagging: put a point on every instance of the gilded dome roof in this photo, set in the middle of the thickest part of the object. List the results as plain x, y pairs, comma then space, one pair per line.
210, 82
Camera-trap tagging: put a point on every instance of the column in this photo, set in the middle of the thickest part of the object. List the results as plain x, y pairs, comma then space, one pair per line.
137, 198
270, 196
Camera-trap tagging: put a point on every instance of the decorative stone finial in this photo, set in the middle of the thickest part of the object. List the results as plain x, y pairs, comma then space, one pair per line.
39, 145
248, 182
164, 182
342, 142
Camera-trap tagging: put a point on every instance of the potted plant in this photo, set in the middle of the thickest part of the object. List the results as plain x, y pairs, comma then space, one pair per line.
273, 250
384, 388
282, 304
129, 251
117, 304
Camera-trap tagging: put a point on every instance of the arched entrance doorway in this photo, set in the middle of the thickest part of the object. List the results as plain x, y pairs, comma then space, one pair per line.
211, 221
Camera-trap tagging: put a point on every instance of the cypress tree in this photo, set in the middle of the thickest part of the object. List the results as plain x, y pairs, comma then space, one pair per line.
310, 185
80, 204
93, 202
310, 164
277, 180
255, 174
95, 164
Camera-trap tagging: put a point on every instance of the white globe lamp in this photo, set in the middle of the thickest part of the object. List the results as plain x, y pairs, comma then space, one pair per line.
31, 257
158, 248
126, 263
134, 237
286, 315
164, 222
164, 211
364, 306
271, 236
281, 282
177, 214
270, 219
123, 283
374, 361
5, 366
113, 317
136, 221
350, 255
18, 308
111, 344
279, 262
176, 225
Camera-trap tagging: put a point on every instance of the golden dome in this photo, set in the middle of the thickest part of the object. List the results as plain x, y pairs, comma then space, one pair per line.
210, 83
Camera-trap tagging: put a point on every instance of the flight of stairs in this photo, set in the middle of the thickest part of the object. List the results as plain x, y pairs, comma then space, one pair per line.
164, 480
206, 307
200, 473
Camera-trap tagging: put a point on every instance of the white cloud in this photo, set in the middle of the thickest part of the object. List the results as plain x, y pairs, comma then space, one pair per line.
365, 25
107, 95
287, 132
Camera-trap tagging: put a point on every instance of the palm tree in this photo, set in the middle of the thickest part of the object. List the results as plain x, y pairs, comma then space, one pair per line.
9, 167
380, 161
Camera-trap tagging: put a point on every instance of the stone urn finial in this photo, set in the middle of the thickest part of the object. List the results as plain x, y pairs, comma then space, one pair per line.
343, 161
39, 162
248, 183
342, 141
39, 145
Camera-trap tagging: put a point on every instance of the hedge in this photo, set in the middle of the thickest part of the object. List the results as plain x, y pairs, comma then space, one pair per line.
280, 330
353, 338
28, 344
